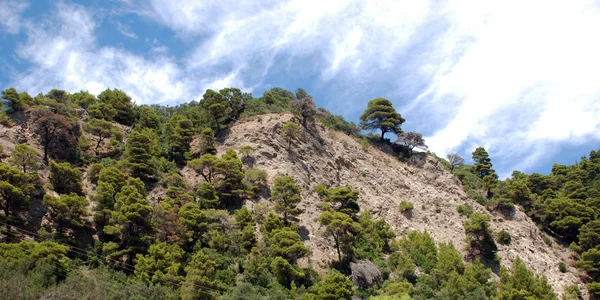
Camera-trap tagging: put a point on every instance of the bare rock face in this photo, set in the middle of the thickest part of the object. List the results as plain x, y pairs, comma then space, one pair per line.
332, 158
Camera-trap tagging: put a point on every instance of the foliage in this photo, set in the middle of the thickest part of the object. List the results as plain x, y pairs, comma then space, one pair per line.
455, 160
479, 238
381, 115
522, 283
51, 129
341, 229
341, 199
465, 210
290, 132
504, 237
405, 206
103, 130
138, 156
411, 140
67, 211
286, 195
65, 179
120, 102
14, 186
161, 264
334, 286
24, 157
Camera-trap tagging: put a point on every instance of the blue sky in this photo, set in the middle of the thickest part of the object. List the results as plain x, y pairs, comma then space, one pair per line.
520, 78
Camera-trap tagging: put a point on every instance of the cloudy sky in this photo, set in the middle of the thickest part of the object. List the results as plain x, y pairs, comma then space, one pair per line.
521, 78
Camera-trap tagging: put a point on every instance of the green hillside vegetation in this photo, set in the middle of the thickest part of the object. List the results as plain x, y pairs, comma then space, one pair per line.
109, 242
565, 203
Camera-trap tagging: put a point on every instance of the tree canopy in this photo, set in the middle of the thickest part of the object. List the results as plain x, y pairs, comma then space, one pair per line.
381, 115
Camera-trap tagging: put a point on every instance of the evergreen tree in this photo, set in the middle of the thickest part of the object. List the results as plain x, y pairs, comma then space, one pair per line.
200, 281
483, 163
194, 222
207, 196
290, 132
207, 141
235, 101
182, 132
131, 223
67, 212
381, 115
147, 118
25, 157
286, 243
138, 155
342, 199
286, 195
334, 286
65, 179
521, 283
83, 99
479, 237
13, 197
341, 229
217, 107
102, 110
161, 264
103, 130
122, 104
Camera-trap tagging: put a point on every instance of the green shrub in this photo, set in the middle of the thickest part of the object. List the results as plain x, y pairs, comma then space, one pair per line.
364, 144
504, 237
465, 210
562, 267
548, 241
405, 206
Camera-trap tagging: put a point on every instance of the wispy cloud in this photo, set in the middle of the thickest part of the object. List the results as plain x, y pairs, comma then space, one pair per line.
125, 30
10, 15
64, 53
512, 76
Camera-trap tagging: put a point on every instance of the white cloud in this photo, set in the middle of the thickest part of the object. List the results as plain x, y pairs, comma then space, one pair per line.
64, 54
10, 15
125, 30
512, 76
526, 79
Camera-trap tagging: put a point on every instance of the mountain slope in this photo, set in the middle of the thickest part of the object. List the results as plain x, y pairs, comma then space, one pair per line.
333, 158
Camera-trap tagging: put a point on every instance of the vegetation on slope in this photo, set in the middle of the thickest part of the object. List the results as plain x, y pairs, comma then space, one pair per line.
106, 239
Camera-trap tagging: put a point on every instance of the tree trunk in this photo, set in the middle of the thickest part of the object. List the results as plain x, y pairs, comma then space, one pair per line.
337, 246
382, 133
46, 144
6, 210
98, 144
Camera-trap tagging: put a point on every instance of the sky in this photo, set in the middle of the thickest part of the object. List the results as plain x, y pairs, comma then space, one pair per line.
520, 78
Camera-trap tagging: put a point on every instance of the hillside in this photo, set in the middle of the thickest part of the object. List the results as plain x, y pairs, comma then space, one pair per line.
333, 158
235, 196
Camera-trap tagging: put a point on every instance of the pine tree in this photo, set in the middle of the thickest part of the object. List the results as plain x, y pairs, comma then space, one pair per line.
217, 107
103, 130
25, 157
13, 197
138, 155
286, 195
67, 211
161, 265
290, 132
334, 286
131, 223
381, 115
65, 179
